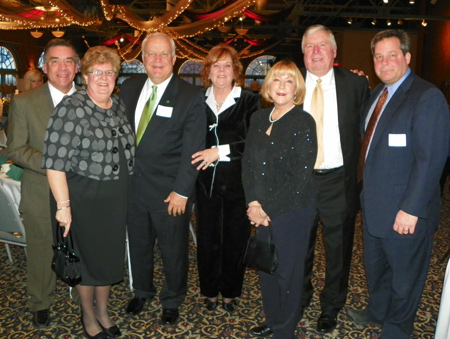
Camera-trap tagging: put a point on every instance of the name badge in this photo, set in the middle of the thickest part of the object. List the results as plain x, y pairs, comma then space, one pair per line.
164, 111
397, 140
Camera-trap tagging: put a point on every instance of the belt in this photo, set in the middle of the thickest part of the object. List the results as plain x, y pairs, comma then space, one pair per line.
326, 171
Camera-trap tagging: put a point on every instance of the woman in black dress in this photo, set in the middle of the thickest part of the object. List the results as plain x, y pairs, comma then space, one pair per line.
222, 225
280, 192
88, 154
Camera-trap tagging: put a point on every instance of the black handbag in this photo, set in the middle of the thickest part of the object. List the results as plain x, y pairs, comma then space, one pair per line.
65, 263
261, 253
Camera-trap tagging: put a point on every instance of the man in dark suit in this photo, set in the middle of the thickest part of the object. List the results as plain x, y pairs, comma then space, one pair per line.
344, 94
29, 115
400, 198
164, 179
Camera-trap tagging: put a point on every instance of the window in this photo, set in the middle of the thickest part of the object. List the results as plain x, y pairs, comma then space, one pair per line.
258, 69
190, 71
8, 73
128, 69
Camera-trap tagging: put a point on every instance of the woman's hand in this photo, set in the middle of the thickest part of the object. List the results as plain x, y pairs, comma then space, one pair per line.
256, 214
205, 157
64, 218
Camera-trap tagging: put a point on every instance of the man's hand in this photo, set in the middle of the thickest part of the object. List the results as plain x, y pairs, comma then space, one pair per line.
177, 204
405, 223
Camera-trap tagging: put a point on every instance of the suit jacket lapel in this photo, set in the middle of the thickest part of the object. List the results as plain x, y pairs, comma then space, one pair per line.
389, 110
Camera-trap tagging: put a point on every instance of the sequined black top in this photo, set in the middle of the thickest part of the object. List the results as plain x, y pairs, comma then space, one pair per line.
277, 169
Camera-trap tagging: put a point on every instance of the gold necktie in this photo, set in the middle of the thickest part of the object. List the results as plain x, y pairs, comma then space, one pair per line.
146, 115
317, 112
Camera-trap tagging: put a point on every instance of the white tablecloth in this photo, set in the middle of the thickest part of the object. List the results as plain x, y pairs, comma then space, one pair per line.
12, 187
443, 323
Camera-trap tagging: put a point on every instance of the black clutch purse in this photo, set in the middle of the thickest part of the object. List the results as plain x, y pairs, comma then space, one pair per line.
65, 263
261, 252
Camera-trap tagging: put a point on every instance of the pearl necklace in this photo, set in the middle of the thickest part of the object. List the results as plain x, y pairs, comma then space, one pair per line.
271, 113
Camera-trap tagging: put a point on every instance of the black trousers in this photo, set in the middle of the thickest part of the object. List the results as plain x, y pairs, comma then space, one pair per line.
338, 232
144, 228
282, 291
223, 229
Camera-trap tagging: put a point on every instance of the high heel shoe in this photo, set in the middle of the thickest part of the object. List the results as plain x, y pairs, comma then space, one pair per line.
229, 306
100, 335
210, 305
112, 332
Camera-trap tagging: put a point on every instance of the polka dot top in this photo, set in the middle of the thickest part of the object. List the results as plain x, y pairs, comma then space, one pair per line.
84, 138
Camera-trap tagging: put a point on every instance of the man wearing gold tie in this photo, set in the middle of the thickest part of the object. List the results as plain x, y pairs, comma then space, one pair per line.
334, 96
168, 116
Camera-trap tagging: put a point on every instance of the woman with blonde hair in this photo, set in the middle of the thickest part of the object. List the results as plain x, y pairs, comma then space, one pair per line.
280, 192
32, 79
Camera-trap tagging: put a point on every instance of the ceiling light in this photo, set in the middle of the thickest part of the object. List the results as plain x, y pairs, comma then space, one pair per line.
224, 29
388, 22
58, 33
399, 22
36, 34
374, 22
424, 23
386, 1
411, 2
350, 21
241, 31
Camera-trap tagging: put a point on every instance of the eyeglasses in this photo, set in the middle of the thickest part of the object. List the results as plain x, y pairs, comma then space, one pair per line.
99, 73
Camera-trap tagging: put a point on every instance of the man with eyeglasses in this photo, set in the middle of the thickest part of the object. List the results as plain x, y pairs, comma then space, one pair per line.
168, 117
29, 114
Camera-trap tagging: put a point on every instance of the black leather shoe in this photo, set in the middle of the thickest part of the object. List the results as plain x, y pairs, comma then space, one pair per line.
210, 305
136, 305
326, 323
41, 319
229, 307
112, 332
261, 331
360, 317
169, 316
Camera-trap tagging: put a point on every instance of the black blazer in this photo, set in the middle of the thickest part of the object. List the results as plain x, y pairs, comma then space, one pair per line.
352, 91
163, 157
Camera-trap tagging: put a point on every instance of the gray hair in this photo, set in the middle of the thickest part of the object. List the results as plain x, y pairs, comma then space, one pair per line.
158, 35
315, 28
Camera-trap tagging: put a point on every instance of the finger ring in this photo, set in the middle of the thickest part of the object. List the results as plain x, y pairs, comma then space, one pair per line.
203, 163
405, 231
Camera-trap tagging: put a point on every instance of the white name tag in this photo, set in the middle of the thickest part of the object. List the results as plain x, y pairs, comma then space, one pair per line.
164, 111
397, 140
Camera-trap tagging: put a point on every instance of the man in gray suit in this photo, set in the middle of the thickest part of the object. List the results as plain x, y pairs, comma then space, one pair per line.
29, 114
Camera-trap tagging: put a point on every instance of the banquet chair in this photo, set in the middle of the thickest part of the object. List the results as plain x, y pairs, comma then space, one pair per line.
12, 231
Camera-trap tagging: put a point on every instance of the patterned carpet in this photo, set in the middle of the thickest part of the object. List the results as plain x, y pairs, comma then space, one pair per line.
195, 321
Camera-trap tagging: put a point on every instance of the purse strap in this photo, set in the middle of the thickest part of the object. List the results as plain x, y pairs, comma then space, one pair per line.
67, 241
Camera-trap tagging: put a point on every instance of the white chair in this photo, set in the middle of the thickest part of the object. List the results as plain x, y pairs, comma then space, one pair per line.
12, 231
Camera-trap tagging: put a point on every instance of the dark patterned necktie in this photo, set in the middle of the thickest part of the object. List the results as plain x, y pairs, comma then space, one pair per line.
369, 132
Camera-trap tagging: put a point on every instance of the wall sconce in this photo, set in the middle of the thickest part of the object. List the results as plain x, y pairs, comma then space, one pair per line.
424, 23
388, 22
58, 33
36, 34
374, 22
